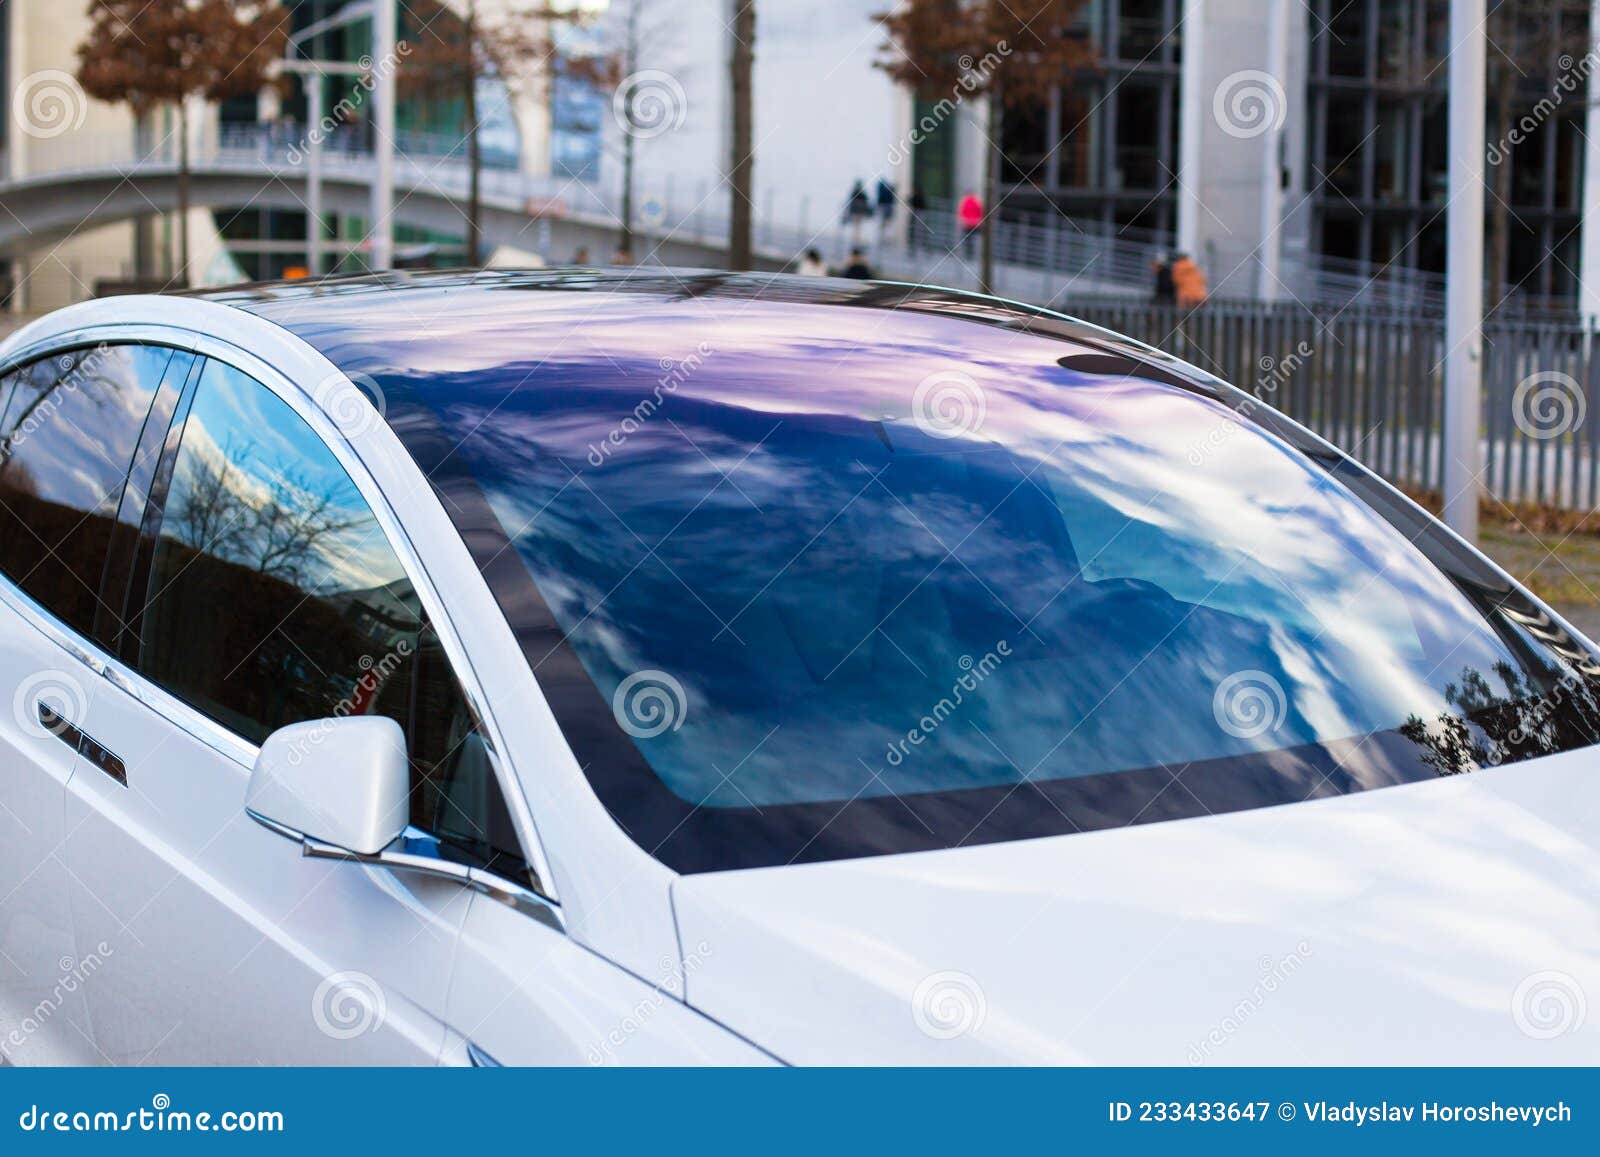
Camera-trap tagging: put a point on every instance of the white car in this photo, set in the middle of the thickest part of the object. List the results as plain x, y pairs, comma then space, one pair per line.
666, 669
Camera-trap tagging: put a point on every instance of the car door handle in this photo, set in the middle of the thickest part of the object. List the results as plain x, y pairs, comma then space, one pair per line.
87, 747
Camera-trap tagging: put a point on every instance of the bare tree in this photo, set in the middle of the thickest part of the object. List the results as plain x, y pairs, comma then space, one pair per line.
153, 53
451, 53
646, 100
741, 161
1011, 52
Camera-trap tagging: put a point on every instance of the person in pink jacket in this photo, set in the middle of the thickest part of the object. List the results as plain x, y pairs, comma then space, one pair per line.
969, 215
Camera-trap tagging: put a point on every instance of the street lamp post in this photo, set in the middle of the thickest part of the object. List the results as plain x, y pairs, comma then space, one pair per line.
1463, 367
312, 72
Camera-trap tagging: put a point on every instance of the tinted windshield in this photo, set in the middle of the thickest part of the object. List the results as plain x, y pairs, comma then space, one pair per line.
786, 620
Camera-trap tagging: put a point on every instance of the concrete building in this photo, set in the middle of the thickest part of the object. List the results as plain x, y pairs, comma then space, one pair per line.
1283, 143
1275, 140
50, 125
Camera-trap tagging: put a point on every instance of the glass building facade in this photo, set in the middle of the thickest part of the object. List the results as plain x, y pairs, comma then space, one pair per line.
1378, 135
264, 243
1104, 148
1374, 98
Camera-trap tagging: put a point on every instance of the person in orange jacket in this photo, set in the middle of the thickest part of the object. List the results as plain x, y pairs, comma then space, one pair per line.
1188, 281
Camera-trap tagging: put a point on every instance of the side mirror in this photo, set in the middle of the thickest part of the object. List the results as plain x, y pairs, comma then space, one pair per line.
343, 782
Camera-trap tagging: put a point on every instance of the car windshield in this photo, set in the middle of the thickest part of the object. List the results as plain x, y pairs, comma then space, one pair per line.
782, 622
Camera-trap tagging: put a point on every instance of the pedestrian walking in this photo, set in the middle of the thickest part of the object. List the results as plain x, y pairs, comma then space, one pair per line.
1166, 291
969, 215
812, 265
856, 268
1188, 282
857, 209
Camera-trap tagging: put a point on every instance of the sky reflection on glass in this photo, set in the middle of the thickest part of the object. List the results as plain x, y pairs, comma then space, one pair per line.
819, 573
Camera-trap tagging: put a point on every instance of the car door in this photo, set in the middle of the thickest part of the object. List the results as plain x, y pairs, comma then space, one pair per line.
72, 421
263, 592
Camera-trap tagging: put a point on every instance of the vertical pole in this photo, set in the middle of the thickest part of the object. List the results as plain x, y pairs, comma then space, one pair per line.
1193, 107
1463, 368
381, 228
1589, 269
1269, 253
313, 83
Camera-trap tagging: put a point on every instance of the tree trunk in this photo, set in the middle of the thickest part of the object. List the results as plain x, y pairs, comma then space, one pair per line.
740, 162
183, 193
1497, 233
991, 185
630, 65
474, 175
625, 236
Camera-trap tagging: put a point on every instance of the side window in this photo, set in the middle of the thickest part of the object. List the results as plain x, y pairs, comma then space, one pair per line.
273, 597
66, 443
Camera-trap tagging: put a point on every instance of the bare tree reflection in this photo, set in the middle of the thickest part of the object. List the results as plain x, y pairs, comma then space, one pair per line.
284, 530
1490, 727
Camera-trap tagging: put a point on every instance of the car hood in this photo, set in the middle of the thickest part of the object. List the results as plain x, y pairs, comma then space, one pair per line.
1450, 922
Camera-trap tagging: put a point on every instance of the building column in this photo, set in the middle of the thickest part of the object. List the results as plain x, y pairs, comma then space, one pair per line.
1192, 111
1589, 264
1269, 257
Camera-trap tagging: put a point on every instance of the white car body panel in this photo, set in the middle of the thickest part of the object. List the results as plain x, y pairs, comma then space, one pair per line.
1414, 917
43, 1018
613, 898
1410, 925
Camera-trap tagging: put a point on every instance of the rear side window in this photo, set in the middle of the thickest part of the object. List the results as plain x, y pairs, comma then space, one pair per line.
274, 597
66, 443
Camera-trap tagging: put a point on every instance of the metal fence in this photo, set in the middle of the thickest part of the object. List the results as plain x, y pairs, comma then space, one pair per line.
1372, 382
